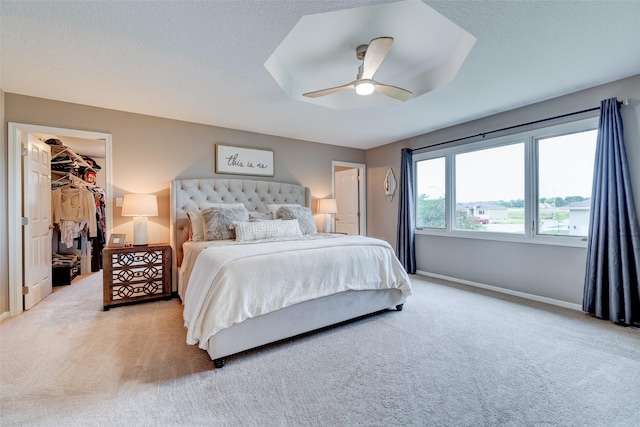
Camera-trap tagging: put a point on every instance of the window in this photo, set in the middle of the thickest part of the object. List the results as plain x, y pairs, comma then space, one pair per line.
565, 176
533, 186
489, 187
431, 208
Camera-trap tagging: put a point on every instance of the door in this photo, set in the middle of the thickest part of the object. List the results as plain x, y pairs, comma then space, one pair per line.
17, 133
37, 231
347, 196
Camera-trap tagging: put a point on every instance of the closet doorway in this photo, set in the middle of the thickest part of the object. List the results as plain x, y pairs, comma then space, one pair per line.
348, 185
21, 200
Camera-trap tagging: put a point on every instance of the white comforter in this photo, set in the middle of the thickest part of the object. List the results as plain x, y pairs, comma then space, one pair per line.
233, 282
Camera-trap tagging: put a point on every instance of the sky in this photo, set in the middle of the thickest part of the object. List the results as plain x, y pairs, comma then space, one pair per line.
566, 165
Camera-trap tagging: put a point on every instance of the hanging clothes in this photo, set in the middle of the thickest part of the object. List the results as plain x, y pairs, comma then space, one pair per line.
98, 242
74, 204
101, 206
69, 230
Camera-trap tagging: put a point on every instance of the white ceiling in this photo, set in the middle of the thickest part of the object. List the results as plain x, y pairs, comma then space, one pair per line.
203, 61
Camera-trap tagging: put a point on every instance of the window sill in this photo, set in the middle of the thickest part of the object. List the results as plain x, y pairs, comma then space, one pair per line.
574, 242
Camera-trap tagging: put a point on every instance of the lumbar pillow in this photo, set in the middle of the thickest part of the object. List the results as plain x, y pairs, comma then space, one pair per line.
258, 230
218, 222
302, 214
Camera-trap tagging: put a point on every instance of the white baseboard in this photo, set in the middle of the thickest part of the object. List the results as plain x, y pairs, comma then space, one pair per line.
525, 295
4, 315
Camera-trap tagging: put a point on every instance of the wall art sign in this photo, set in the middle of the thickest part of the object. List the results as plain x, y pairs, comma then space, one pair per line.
244, 161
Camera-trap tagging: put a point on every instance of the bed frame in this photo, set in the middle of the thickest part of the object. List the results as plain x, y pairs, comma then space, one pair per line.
187, 194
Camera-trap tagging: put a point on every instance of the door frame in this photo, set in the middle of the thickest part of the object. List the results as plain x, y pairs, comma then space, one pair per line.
15, 196
362, 185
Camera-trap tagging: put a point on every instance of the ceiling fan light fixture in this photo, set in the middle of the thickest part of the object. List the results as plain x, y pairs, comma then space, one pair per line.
365, 87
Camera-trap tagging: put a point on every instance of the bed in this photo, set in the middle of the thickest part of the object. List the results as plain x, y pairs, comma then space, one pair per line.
250, 289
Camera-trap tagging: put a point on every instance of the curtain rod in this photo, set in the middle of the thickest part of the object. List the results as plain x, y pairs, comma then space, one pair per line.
483, 134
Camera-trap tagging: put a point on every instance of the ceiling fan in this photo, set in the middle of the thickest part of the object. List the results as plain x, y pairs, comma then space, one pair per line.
371, 56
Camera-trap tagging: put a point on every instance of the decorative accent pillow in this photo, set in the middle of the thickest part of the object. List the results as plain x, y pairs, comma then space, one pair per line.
196, 226
259, 216
258, 230
196, 223
218, 222
302, 214
273, 208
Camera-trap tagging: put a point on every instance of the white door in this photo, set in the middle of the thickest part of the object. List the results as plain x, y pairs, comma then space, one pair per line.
347, 201
37, 210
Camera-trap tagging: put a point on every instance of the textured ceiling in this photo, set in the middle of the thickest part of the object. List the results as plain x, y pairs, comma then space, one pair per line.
203, 61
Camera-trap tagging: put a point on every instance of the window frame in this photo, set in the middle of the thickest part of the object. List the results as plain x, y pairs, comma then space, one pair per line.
530, 140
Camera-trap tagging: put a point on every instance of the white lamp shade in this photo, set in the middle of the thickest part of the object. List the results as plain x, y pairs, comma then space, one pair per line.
140, 205
327, 206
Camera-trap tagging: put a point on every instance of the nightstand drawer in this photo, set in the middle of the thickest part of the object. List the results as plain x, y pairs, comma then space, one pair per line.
135, 274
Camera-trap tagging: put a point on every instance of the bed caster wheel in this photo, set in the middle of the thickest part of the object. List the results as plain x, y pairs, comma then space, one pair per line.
219, 363
399, 307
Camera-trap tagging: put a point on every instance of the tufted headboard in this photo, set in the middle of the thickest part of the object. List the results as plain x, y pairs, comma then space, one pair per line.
187, 194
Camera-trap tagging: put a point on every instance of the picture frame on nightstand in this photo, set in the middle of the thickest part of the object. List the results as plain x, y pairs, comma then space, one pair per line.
117, 240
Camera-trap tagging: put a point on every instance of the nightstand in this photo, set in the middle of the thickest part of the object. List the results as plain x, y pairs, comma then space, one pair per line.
135, 274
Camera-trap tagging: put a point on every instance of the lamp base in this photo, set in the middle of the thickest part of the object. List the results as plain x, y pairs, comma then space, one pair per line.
140, 231
327, 223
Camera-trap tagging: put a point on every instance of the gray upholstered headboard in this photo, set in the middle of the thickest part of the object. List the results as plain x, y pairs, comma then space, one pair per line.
187, 194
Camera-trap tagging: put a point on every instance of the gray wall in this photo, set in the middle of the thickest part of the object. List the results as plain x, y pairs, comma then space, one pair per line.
545, 271
149, 152
382, 214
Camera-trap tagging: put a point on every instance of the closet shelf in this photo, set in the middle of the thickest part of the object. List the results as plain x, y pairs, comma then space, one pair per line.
59, 150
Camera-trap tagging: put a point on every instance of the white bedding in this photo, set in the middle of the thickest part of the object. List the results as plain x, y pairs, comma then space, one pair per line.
226, 282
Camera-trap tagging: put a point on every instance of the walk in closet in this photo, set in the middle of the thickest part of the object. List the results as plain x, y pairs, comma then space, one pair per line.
78, 213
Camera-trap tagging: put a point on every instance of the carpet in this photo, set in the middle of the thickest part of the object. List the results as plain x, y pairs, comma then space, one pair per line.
455, 356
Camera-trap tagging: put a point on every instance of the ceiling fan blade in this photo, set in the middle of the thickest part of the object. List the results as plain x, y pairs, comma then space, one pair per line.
393, 91
329, 91
376, 52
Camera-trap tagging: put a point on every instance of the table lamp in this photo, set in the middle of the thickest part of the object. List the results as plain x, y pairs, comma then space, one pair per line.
327, 207
140, 206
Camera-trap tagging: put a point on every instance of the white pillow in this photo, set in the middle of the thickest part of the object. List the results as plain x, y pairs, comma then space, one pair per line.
273, 208
247, 231
196, 226
259, 216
